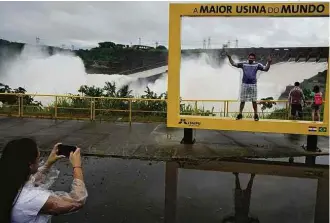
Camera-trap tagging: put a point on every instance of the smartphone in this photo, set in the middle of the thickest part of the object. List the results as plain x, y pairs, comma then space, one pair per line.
65, 150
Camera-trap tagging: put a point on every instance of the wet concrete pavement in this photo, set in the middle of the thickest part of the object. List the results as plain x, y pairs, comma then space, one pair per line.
130, 190
134, 191
151, 140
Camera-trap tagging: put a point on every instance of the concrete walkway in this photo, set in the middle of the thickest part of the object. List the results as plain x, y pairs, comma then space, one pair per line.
152, 141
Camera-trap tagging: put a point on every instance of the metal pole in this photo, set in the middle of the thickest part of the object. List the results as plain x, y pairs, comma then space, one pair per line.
19, 105
224, 109
188, 136
130, 112
94, 112
195, 110
55, 108
91, 111
22, 104
288, 110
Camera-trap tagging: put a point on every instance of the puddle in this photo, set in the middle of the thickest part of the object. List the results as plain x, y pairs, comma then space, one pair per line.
134, 191
323, 160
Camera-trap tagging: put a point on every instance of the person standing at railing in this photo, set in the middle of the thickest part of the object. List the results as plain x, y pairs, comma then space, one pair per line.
296, 97
249, 82
316, 103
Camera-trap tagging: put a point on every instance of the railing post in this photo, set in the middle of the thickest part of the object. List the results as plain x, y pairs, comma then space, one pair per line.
130, 112
91, 111
94, 115
55, 108
286, 109
195, 110
19, 105
224, 109
227, 108
22, 106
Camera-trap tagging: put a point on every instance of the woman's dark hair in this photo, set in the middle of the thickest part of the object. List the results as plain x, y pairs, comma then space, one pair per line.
17, 156
252, 54
316, 89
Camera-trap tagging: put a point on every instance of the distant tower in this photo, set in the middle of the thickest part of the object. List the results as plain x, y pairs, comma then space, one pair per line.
204, 43
156, 44
236, 43
228, 44
139, 41
209, 43
37, 40
72, 47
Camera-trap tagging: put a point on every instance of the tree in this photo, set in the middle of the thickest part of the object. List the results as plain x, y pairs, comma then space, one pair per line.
267, 103
91, 91
13, 99
161, 47
110, 89
307, 93
124, 92
107, 45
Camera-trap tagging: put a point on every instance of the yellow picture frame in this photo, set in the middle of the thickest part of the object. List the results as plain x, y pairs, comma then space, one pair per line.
178, 10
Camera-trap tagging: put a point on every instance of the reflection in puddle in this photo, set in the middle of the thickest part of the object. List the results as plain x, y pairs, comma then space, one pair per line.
242, 203
132, 191
296, 192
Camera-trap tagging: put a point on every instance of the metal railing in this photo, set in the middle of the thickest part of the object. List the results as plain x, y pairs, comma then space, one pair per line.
83, 107
129, 109
267, 109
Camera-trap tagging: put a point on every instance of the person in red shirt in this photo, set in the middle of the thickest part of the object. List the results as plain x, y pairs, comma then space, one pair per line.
316, 104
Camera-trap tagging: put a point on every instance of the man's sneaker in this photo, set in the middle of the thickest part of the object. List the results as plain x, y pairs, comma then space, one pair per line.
256, 117
239, 116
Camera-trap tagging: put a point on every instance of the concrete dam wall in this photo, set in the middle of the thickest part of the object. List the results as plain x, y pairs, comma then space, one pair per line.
145, 60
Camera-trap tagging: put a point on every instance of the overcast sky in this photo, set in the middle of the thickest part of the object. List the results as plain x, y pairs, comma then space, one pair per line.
84, 24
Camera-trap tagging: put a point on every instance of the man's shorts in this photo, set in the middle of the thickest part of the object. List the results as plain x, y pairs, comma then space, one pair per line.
296, 108
248, 92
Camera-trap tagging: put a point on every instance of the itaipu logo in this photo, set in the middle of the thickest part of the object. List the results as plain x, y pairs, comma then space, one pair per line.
185, 122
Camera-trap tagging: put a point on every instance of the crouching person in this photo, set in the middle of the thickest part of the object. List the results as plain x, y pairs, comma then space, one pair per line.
24, 188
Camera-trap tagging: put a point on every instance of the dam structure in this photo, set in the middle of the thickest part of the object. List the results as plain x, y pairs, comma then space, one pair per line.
279, 55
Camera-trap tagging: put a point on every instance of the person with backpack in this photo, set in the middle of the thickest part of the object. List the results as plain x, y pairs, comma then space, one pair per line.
296, 97
317, 102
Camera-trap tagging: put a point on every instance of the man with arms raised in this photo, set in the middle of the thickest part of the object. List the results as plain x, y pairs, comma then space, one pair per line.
249, 82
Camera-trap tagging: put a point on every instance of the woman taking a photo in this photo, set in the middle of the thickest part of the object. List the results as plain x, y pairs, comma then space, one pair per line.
24, 194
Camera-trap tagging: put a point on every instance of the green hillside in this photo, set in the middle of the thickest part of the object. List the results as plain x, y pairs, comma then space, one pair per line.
107, 58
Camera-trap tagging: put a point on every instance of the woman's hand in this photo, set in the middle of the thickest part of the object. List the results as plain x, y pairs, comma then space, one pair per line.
75, 158
53, 157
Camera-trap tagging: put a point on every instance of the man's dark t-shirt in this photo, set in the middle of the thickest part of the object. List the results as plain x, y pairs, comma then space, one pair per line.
296, 95
250, 72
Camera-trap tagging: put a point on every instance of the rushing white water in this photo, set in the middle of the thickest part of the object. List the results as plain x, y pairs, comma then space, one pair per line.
38, 72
